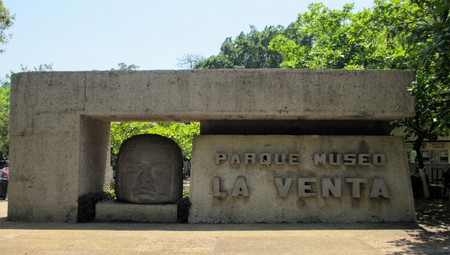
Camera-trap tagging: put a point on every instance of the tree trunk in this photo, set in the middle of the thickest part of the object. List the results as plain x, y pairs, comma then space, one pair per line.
418, 149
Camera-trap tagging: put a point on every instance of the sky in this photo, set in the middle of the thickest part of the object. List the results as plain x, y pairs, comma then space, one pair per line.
84, 35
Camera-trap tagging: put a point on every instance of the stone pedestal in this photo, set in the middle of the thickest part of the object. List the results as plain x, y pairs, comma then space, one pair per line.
118, 211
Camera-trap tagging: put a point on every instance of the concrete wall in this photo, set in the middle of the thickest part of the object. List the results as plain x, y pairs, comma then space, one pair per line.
44, 146
59, 123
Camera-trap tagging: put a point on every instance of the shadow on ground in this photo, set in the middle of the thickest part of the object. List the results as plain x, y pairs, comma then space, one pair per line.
433, 233
5, 224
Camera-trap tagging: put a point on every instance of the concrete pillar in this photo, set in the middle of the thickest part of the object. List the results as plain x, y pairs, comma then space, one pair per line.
94, 155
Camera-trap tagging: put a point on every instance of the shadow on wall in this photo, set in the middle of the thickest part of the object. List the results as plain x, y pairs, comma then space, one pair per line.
433, 234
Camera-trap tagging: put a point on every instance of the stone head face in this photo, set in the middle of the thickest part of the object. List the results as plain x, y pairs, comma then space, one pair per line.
149, 170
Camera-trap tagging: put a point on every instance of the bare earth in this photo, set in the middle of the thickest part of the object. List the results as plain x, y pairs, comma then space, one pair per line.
431, 235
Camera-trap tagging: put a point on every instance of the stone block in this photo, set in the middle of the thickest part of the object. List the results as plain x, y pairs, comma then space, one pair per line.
117, 211
275, 179
250, 94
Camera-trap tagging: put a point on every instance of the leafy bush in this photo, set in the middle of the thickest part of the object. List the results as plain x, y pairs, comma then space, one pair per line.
86, 204
182, 133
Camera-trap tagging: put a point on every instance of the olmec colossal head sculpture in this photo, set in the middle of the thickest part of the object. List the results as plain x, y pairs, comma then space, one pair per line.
149, 170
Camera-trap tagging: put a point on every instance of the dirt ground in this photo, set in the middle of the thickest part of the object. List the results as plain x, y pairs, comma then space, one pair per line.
433, 219
430, 235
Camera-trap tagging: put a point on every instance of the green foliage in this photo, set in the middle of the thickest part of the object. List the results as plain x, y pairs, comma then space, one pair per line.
86, 204
4, 122
246, 51
6, 21
181, 133
124, 67
327, 43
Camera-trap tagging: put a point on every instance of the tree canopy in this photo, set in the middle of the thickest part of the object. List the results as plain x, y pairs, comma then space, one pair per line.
6, 21
246, 51
182, 133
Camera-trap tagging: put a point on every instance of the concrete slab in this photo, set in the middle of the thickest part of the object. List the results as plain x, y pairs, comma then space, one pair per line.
117, 211
429, 237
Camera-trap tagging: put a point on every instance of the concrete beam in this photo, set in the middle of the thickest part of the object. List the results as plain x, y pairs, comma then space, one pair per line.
229, 94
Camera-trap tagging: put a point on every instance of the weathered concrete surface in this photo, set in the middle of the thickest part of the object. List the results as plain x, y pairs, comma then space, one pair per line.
428, 237
265, 201
222, 94
119, 211
59, 126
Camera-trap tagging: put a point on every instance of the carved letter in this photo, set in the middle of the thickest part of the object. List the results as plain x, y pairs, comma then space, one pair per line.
379, 189
379, 159
320, 159
335, 159
328, 186
294, 159
265, 159
235, 160
283, 189
279, 161
349, 159
363, 159
240, 187
220, 156
356, 186
216, 188
250, 158
304, 189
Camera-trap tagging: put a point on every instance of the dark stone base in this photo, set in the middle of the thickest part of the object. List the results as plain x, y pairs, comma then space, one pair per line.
294, 127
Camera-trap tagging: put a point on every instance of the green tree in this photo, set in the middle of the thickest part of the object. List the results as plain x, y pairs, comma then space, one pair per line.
246, 51
181, 133
430, 40
6, 21
327, 44
4, 122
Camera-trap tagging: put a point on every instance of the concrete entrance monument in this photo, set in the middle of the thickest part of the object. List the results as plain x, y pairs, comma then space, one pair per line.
275, 145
